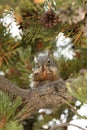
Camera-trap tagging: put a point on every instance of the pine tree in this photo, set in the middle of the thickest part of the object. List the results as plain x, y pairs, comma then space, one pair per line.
40, 22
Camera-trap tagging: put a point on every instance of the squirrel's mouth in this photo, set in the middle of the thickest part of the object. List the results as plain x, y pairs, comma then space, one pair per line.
44, 75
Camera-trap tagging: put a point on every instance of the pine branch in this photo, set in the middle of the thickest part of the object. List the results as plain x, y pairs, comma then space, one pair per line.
49, 95
65, 125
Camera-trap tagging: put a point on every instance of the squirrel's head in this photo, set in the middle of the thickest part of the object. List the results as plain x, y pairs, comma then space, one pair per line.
45, 66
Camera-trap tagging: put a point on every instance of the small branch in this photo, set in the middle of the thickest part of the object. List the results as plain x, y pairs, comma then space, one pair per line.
64, 125
41, 97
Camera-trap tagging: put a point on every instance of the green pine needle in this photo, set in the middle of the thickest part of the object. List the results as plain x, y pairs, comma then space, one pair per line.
7, 106
13, 125
78, 88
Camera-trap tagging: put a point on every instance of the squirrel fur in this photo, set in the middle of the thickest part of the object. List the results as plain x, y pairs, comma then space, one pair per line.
46, 69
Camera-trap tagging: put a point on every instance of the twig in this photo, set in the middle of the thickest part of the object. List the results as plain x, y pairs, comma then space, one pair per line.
64, 125
46, 96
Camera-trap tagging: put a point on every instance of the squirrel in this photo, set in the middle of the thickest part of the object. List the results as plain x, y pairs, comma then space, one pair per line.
46, 69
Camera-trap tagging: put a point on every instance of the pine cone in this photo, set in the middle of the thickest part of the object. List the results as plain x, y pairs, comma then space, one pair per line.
49, 19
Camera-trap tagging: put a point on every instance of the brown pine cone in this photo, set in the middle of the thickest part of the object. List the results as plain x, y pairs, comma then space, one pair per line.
49, 19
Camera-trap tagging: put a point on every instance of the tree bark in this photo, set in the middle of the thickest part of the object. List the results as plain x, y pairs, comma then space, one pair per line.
46, 96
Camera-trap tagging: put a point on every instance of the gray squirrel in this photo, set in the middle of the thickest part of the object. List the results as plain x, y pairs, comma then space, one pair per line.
46, 69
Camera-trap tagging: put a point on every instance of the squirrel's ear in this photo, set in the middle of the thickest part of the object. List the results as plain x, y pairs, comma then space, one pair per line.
36, 57
49, 53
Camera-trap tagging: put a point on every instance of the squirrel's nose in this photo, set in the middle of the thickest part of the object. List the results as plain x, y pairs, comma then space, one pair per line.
43, 68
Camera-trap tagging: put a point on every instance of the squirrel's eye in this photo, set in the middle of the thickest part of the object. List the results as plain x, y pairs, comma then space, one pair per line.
37, 65
49, 61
